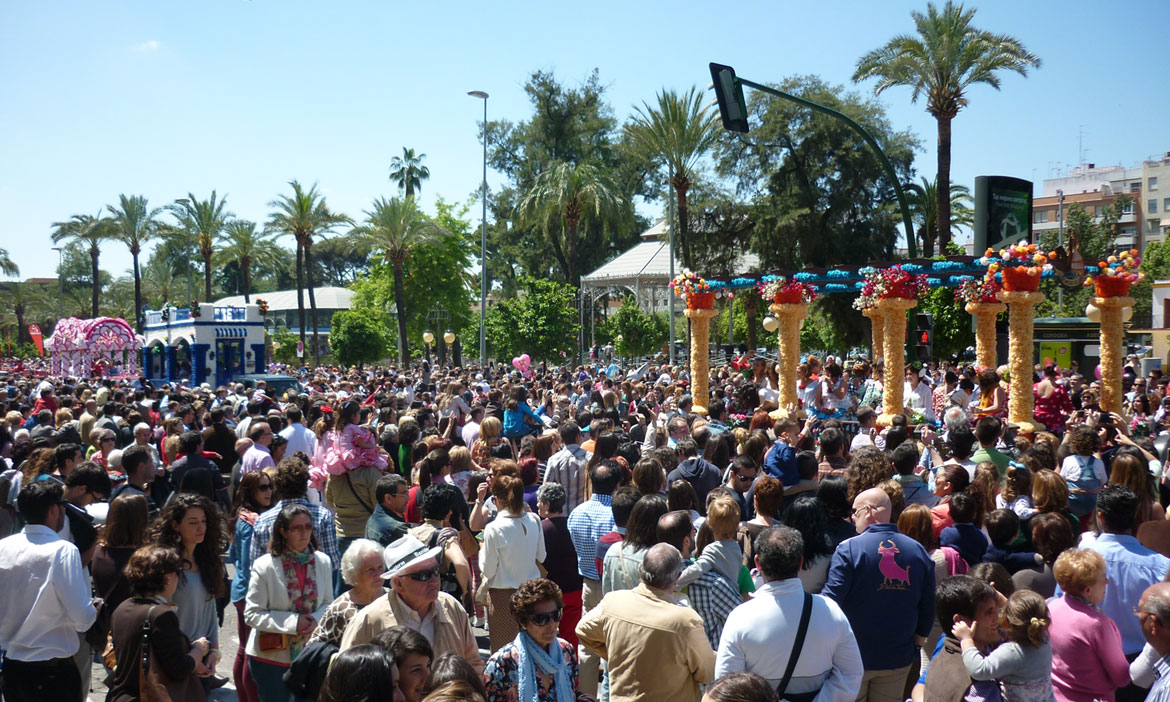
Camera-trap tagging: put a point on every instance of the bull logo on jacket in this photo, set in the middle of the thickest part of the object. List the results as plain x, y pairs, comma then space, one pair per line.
895, 577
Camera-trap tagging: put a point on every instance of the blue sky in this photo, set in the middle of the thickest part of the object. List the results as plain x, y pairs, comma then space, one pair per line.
166, 98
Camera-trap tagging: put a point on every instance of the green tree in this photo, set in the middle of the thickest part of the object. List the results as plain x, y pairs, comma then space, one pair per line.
284, 345
923, 199
135, 224
88, 232
564, 197
243, 245
358, 337
1156, 266
340, 260
542, 322
159, 280
26, 301
675, 133
942, 62
305, 217
7, 266
633, 332
1097, 237
952, 325
409, 172
396, 228
203, 222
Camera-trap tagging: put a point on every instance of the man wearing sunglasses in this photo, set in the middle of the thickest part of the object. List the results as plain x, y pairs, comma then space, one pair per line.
414, 601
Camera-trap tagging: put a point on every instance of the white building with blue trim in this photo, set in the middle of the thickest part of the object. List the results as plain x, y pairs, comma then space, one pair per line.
213, 345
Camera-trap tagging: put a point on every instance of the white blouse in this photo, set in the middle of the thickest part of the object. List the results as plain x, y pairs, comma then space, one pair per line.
512, 545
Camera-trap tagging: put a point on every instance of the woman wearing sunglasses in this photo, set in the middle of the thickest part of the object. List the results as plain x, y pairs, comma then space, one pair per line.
290, 588
253, 496
537, 666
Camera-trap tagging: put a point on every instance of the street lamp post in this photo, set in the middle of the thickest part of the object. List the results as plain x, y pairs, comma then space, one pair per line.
428, 339
483, 239
60, 280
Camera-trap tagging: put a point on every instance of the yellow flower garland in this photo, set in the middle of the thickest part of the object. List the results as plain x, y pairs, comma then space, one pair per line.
985, 314
878, 330
894, 344
700, 363
790, 316
1112, 349
1021, 314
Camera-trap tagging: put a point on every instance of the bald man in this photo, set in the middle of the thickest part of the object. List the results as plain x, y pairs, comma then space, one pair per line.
1152, 668
884, 582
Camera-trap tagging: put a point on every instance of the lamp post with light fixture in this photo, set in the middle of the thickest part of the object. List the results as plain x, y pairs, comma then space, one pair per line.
483, 238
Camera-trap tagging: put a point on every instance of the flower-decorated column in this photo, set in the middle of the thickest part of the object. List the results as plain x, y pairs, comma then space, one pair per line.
789, 305
877, 330
1021, 270
700, 310
1112, 285
893, 291
983, 304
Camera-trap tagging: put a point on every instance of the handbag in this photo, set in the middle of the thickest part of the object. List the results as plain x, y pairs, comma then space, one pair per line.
268, 641
109, 656
150, 686
797, 646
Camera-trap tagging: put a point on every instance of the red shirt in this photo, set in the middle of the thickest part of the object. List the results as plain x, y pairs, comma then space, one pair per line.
608, 540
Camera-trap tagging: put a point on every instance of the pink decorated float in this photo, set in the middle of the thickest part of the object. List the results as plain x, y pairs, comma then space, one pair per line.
78, 347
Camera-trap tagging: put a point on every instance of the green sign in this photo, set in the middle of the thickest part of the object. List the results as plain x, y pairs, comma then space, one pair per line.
1003, 212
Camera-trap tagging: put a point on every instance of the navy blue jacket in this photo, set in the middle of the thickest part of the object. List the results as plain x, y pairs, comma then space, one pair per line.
884, 582
968, 539
1012, 560
781, 464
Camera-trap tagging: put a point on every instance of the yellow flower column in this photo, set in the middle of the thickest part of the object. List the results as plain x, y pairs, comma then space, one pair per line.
985, 314
1021, 402
1112, 349
790, 316
876, 319
894, 344
700, 368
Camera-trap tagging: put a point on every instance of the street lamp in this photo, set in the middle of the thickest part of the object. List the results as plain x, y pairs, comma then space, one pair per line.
449, 337
60, 281
483, 239
428, 339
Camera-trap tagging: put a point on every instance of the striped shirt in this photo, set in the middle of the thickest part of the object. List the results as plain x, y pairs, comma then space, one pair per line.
1160, 692
713, 597
587, 523
567, 468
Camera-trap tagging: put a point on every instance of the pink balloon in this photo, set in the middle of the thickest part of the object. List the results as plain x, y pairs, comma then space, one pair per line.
516, 362
525, 359
1097, 371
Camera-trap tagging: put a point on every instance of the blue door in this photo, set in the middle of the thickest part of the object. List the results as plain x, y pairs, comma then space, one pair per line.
229, 359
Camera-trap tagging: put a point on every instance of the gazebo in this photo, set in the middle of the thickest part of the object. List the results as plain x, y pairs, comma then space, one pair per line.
76, 344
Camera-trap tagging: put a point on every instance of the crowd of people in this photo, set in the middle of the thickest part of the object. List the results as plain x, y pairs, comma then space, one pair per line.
617, 538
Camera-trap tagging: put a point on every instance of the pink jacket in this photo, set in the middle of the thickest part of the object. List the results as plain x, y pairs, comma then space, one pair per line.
1087, 661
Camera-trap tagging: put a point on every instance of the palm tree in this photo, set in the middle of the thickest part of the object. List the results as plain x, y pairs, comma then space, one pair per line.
203, 220
24, 299
408, 171
923, 199
677, 132
134, 224
304, 216
946, 58
87, 231
396, 227
246, 246
7, 266
158, 277
570, 194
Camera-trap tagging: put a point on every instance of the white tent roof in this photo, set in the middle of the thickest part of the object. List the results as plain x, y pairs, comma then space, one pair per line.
649, 262
329, 298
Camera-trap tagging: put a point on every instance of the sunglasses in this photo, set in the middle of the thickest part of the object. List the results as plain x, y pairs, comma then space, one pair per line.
423, 576
546, 618
745, 478
264, 488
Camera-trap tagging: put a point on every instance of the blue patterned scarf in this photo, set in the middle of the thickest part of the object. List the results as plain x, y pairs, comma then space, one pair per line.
551, 662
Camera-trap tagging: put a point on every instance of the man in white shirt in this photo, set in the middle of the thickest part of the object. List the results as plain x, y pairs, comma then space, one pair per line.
298, 436
470, 431
760, 634
46, 602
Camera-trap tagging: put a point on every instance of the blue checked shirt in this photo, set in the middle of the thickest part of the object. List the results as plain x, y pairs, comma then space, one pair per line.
1160, 692
323, 528
587, 523
713, 597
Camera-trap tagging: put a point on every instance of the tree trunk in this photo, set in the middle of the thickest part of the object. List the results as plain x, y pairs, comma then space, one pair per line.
409, 189
927, 237
751, 306
246, 276
943, 184
312, 301
571, 252
681, 186
399, 302
207, 275
96, 283
20, 328
301, 289
137, 293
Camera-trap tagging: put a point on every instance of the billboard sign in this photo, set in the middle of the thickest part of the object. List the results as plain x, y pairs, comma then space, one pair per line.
1003, 212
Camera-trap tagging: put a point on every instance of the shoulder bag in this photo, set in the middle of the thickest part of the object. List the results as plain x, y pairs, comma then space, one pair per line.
797, 646
151, 688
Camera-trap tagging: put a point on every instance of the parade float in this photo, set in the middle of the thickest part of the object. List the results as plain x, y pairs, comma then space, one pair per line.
1111, 284
700, 300
981, 298
788, 302
82, 348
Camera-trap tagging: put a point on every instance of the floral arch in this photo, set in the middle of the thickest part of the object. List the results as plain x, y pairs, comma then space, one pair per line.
77, 344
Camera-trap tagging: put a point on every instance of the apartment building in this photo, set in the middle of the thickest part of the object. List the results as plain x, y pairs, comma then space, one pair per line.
1094, 188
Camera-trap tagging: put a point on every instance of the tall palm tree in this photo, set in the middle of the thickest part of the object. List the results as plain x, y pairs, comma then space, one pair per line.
24, 300
158, 277
203, 220
7, 266
88, 231
397, 228
246, 246
135, 223
408, 171
304, 216
923, 200
676, 132
947, 57
570, 194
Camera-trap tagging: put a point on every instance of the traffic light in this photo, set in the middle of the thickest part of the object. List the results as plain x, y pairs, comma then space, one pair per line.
924, 336
729, 94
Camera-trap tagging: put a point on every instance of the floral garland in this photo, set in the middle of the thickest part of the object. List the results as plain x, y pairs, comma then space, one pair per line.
689, 283
1025, 256
978, 290
194, 308
890, 282
1123, 266
782, 290
263, 305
